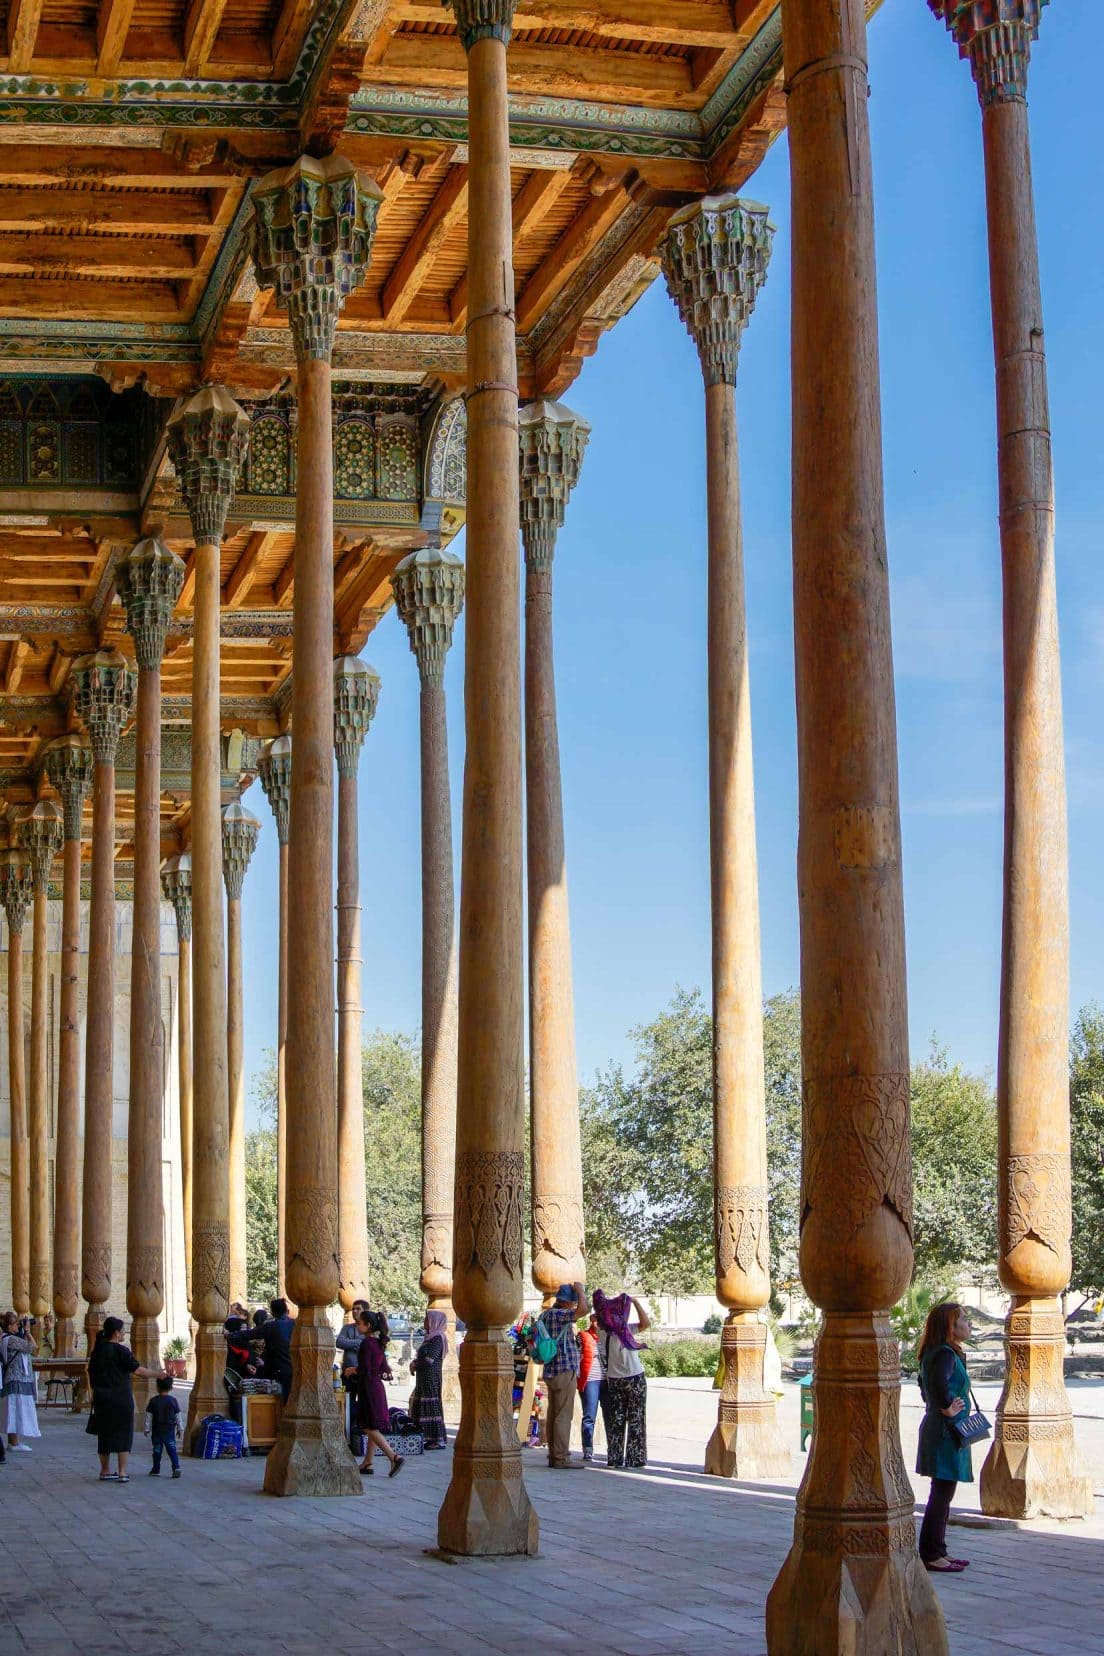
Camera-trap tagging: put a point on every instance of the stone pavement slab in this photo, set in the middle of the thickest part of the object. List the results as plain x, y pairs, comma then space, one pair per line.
671, 1561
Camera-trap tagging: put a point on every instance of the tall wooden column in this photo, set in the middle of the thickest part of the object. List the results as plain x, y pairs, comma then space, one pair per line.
1032, 1469
486, 1508
311, 238
176, 888
149, 581
240, 829
103, 699
852, 1581
552, 441
356, 695
40, 834
15, 893
274, 769
429, 595
68, 765
715, 261
207, 441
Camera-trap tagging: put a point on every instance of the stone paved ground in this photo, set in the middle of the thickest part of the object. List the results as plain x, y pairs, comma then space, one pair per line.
667, 1560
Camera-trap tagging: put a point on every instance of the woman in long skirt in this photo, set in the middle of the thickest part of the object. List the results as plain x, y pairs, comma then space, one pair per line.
426, 1411
18, 1414
111, 1419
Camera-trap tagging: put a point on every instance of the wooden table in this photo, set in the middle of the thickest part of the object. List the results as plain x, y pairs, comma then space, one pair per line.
65, 1368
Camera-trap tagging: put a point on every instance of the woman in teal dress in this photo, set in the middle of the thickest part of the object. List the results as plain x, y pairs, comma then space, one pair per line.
942, 1456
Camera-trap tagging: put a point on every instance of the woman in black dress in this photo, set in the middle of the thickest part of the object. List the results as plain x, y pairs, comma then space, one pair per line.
427, 1413
111, 1420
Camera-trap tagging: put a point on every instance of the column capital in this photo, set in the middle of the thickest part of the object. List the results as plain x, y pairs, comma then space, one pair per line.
551, 443
995, 36
207, 439
40, 833
274, 770
240, 829
15, 886
149, 580
483, 20
356, 697
429, 595
311, 239
176, 888
715, 257
103, 696
68, 765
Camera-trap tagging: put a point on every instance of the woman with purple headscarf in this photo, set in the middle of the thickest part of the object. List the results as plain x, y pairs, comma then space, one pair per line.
625, 1386
426, 1411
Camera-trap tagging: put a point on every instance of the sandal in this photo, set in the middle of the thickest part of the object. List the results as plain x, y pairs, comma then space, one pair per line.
397, 1465
367, 1471
109, 1477
124, 1477
963, 1563
945, 1566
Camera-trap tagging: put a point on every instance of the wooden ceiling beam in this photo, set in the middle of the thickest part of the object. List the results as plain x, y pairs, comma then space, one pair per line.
256, 547
536, 198
126, 212
287, 37
448, 207
18, 652
159, 260
83, 300
187, 590
583, 234
619, 77
283, 586
201, 27
112, 27
111, 166
24, 16
686, 23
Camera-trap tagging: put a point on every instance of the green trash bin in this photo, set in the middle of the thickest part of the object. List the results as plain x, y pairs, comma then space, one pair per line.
808, 1413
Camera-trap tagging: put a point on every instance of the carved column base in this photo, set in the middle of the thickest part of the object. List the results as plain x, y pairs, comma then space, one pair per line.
208, 1394
486, 1511
66, 1337
311, 1456
747, 1440
1033, 1469
145, 1342
853, 1581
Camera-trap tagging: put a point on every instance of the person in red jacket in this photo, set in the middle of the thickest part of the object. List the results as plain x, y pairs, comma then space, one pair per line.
590, 1383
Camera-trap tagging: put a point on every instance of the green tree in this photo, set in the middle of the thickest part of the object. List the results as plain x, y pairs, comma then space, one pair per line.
391, 1071
954, 1163
1087, 1150
648, 1147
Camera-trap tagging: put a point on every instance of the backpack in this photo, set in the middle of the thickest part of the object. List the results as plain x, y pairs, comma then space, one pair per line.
540, 1344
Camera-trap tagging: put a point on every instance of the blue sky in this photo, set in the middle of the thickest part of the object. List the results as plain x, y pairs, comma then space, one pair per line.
631, 600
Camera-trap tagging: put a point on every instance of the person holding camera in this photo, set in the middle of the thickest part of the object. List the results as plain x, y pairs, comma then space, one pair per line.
18, 1414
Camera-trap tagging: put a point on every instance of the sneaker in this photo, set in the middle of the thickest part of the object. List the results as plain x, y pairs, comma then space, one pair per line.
176, 1472
588, 1454
19, 1448
155, 1471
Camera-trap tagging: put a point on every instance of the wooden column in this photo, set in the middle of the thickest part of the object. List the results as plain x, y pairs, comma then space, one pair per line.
103, 690
207, 441
715, 261
239, 840
429, 595
274, 768
552, 441
1033, 1469
68, 764
40, 833
310, 237
356, 694
176, 888
15, 893
852, 1581
149, 580
486, 1508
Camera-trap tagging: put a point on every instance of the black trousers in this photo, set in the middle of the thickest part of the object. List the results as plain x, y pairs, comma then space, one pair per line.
933, 1531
